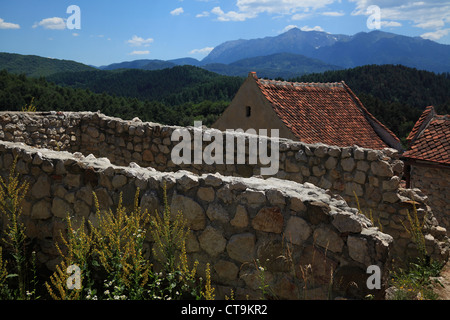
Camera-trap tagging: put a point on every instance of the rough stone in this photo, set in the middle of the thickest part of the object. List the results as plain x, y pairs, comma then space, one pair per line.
331, 163
119, 181
147, 155
297, 205
297, 230
349, 222
391, 184
72, 180
360, 177
191, 210
240, 219
81, 208
269, 220
206, 194
358, 250
348, 164
241, 247
318, 212
391, 197
254, 197
41, 210
212, 241
382, 168
41, 188
291, 166
328, 239
93, 132
275, 197
226, 270
61, 208
217, 212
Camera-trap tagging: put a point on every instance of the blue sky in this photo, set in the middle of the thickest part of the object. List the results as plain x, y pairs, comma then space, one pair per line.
115, 31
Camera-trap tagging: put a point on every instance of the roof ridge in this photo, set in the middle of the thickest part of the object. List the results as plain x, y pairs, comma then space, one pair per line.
424, 120
301, 84
367, 113
296, 83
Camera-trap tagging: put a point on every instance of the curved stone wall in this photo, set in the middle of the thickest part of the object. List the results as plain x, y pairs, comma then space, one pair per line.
286, 226
373, 176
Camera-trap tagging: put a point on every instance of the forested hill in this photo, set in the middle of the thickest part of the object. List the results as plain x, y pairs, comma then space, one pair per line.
35, 66
18, 91
171, 86
395, 95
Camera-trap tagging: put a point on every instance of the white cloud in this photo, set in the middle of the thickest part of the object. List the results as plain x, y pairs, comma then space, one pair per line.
436, 35
248, 9
333, 14
177, 11
431, 14
203, 14
55, 23
232, 15
8, 25
387, 24
138, 52
316, 28
136, 41
289, 27
280, 6
203, 51
75, 34
431, 24
300, 16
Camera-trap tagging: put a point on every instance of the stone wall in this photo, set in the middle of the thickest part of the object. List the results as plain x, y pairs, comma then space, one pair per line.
435, 183
372, 175
287, 226
52, 130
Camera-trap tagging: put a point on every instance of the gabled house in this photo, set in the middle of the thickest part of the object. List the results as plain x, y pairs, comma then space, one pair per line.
328, 113
428, 161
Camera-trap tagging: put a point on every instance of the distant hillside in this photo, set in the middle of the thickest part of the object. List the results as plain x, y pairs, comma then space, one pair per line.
151, 64
145, 64
284, 65
17, 91
172, 86
35, 66
186, 61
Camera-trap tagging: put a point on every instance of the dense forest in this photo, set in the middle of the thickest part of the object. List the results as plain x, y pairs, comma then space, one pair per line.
35, 66
17, 92
171, 86
396, 95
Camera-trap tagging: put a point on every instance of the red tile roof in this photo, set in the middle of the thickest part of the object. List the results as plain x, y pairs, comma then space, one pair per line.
329, 113
430, 138
429, 112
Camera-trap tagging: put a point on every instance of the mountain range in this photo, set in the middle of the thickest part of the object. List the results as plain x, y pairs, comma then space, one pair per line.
288, 55
298, 52
375, 47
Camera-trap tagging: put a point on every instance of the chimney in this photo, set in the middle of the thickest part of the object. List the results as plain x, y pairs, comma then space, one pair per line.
253, 74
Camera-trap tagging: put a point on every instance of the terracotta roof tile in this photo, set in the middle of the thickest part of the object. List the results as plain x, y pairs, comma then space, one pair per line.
431, 143
429, 111
329, 113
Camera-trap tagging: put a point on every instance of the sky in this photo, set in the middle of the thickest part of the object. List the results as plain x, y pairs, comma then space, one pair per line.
101, 32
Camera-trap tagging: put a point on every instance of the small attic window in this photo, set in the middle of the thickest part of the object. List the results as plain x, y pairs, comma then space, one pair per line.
248, 111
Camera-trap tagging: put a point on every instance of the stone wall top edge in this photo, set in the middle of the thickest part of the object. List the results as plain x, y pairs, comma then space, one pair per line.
286, 144
306, 191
